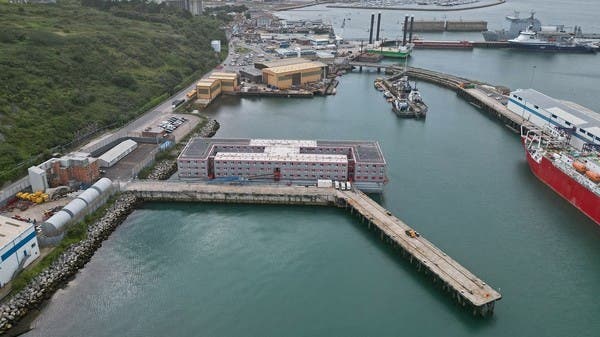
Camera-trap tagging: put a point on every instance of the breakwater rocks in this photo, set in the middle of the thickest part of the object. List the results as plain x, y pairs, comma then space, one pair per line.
210, 129
66, 265
163, 170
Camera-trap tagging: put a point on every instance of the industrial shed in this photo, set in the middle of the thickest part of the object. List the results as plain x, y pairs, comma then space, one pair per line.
229, 81
18, 247
117, 153
284, 77
208, 89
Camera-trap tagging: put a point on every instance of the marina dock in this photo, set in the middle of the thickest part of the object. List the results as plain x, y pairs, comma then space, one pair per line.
463, 286
484, 96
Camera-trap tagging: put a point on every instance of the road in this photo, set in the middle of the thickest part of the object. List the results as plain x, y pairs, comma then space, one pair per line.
163, 108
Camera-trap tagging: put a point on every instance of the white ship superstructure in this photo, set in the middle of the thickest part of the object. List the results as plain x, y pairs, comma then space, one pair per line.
581, 123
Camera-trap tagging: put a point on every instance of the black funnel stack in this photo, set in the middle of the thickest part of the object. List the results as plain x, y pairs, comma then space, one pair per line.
405, 29
378, 26
371, 29
412, 20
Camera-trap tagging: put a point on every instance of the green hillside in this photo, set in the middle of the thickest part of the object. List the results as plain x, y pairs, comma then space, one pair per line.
68, 69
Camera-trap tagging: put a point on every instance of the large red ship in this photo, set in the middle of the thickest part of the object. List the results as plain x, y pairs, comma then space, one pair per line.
573, 174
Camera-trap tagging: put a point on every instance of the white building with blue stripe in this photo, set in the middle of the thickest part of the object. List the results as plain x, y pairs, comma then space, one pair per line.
18, 247
541, 110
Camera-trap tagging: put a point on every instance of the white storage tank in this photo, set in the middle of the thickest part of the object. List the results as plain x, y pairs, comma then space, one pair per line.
102, 185
75, 207
53, 226
89, 195
216, 45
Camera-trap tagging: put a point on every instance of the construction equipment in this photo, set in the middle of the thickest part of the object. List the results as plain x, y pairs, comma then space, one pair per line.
191, 94
412, 233
37, 197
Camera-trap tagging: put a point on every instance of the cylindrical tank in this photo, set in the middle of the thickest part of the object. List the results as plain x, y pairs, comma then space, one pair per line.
54, 225
75, 207
579, 166
593, 176
89, 195
102, 185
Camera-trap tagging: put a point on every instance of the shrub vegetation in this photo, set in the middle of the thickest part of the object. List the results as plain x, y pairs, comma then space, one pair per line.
70, 68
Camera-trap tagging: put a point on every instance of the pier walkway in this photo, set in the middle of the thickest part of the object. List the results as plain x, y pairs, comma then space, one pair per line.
463, 286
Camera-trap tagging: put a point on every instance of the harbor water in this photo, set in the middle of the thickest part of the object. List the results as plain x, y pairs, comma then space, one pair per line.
459, 177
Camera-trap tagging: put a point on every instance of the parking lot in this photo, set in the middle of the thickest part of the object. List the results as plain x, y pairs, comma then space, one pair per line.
171, 125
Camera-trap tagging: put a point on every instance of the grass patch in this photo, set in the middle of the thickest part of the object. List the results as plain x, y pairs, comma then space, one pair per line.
76, 233
71, 68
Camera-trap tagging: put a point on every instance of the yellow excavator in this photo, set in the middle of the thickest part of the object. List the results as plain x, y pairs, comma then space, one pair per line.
38, 197
412, 233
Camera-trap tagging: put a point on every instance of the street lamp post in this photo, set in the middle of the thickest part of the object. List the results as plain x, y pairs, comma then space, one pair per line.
532, 76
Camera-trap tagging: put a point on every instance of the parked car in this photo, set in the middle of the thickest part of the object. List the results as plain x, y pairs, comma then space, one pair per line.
177, 103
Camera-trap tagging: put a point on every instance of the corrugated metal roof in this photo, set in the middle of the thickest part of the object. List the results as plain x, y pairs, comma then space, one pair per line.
282, 156
116, 151
221, 75
586, 117
283, 62
368, 152
206, 82
283, 142
10, 229
295, 67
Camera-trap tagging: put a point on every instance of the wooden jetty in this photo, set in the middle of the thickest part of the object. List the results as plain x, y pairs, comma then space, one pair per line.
464, 287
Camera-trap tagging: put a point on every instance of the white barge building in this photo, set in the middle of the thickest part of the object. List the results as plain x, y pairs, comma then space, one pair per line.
286, 161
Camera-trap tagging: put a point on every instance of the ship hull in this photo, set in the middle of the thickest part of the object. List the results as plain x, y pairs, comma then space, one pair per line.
392, 54
583, 199
542, 47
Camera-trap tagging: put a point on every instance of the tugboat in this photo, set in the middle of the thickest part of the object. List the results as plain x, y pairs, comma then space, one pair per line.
401, 108
408, 102
416, 103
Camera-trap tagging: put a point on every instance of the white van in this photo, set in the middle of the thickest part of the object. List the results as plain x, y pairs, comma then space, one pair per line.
336, 184
348, 186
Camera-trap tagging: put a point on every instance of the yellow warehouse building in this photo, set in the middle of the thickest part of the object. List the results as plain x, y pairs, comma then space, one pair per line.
286, 76
208, 89
229, 81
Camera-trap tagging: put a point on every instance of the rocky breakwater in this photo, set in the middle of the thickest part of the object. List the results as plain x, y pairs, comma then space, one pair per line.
209, 129
163, 169
66, 265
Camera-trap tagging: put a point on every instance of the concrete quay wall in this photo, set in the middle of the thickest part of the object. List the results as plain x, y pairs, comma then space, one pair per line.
218, 193
465, 288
